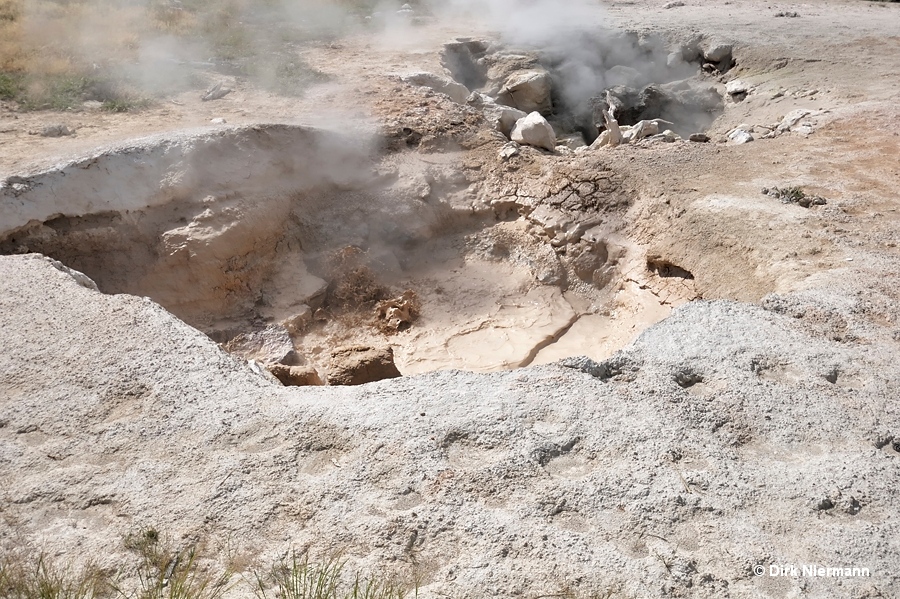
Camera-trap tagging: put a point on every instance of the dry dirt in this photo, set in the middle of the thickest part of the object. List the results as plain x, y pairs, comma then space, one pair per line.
787, 386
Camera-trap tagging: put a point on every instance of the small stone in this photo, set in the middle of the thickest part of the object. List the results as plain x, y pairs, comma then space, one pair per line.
736, 87
739, 136
295, 376
56, 131
218, 121
216, 92
791, 119
699, 138
509, 150
675, 59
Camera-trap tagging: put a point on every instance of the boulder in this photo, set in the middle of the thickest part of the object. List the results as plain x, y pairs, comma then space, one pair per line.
458, 92
499, 67
358, 365
602, 140
534, 130
528, 91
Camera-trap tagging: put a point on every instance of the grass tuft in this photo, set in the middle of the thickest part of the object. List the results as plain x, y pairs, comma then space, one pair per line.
297, 578
39, 577
165, 573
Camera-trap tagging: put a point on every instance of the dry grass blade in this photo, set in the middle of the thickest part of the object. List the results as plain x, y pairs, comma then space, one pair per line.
29, 577
297, 578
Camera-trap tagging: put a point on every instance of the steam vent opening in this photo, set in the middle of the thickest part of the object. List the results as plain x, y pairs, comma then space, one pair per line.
435, 243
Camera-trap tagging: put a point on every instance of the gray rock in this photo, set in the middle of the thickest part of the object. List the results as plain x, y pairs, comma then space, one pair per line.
458, 92
717, 52
58, 130
528, 91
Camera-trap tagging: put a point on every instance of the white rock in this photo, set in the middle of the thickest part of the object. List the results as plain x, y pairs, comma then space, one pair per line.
791, 119
675, 59
528, 91
737, 87
218, 121
503, 118
717, 52
670, 136
509, 150
458, 92
534, 130
643, 129
602, 140
739, 136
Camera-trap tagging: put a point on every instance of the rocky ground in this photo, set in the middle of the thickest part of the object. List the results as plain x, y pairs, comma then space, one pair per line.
755, 424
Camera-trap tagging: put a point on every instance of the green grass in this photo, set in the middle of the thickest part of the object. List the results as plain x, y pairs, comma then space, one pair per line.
66, 92
297, 578
10, 86
125, 104
163, 571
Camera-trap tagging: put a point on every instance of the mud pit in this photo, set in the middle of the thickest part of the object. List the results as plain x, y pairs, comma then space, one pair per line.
238, 233
285, 243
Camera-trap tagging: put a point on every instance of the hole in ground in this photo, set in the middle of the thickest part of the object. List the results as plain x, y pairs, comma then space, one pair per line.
302, 247
572, 81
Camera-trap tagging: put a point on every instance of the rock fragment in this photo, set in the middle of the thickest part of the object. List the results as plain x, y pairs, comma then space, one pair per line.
458, 92
739, 136
357, 365
295, 376
534, 130
216, 92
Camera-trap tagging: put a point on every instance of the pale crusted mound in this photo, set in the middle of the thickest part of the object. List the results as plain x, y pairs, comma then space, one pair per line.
716, 442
